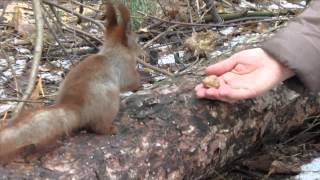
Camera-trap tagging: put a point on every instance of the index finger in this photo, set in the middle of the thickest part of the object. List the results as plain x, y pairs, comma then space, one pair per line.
221, 67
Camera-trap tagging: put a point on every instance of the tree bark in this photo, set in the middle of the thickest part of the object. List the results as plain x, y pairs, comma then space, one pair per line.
257, 15
166, 133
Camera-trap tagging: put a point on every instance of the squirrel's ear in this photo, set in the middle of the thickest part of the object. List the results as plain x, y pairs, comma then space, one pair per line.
125, 14
110, 16
116, 32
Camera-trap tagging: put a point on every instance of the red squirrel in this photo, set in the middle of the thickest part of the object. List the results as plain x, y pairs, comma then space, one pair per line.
88, 97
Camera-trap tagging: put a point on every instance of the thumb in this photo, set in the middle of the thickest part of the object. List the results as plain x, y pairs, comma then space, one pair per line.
221, 67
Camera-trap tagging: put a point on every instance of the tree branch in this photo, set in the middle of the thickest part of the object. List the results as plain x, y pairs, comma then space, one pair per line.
100, 25
36, 55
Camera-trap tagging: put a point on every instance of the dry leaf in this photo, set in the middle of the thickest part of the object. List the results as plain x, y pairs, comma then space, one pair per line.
279, 167
220, 8
261, 27
21, 24
63, 1
38, 90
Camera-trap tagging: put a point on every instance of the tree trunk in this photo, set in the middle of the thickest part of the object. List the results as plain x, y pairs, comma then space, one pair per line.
166, 133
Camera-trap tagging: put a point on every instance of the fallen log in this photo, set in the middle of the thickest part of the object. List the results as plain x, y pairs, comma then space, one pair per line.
166, 133
250, 15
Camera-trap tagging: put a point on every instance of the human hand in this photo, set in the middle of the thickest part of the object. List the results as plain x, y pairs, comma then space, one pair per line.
244, 75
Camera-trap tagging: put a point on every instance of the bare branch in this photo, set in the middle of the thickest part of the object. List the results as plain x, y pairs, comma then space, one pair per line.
83, 33
100, 25
155, 68
18, 89
55, 36
159, 35
86, 6
19, 100
36, 55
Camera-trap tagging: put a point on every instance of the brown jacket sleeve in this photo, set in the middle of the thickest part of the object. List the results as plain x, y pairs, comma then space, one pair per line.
297, 46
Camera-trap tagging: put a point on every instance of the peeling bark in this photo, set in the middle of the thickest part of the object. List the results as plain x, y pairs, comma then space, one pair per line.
166, 133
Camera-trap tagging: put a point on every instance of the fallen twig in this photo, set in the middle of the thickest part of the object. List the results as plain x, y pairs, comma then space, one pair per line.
225, 24
237, 17
100, 25
36, 56
18, 90
159, 36
78, 31
5, 4
52, 31
190, 14
162, 8
188, 68
198, 8
58, 20
82, 35
19, 100
84, 5
61, 26
155, 68
314, 124
76, 51
231, 5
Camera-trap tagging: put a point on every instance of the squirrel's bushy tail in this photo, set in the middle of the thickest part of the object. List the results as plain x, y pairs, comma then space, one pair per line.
36, 129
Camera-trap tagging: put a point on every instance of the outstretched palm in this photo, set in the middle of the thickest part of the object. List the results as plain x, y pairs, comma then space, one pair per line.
244, 75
